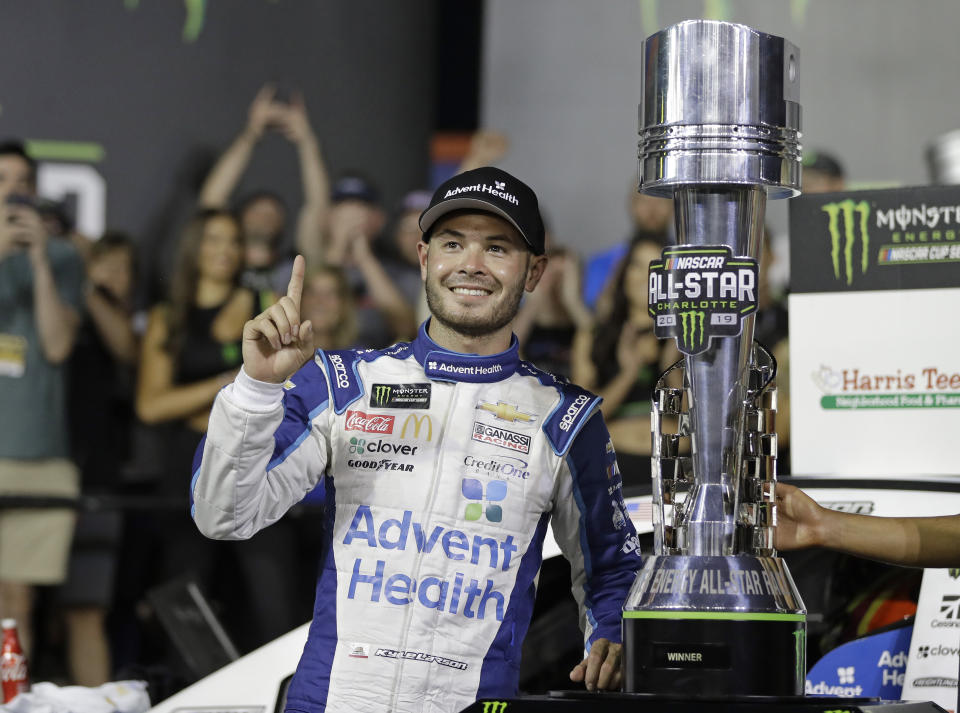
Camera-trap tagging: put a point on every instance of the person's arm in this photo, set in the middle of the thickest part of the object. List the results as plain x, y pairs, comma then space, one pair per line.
385, 295
158, 399
593, 529
257, 425
56, 321
486, 148
316, 182
911, 541
229, 168
113, 324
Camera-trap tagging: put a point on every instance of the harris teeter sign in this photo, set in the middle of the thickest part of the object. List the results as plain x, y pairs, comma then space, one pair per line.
697, 293
874, 371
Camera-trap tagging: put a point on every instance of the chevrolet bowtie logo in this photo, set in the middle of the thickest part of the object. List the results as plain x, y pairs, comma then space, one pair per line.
506, 412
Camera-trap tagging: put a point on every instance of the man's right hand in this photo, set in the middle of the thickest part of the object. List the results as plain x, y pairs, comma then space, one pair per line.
275, 342
21, 229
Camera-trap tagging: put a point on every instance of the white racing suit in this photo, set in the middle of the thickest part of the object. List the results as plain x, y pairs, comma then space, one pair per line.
440, 473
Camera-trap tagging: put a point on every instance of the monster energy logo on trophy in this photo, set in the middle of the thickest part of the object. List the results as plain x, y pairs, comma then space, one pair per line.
700, 292
400, 395
856, 217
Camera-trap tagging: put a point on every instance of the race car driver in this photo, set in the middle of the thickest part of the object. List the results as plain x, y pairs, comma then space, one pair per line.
441, 462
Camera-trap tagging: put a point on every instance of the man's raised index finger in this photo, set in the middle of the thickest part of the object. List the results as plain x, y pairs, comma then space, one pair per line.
295, 287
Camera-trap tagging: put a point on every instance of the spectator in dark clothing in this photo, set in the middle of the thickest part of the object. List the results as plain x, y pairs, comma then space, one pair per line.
100, 402
620, 359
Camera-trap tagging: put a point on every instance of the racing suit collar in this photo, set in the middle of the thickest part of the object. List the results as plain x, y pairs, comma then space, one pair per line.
444, 365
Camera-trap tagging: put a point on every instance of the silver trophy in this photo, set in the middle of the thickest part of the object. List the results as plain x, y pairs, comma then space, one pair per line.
719, 133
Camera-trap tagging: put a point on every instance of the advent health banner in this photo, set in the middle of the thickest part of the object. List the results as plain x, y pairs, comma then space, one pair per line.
875, 332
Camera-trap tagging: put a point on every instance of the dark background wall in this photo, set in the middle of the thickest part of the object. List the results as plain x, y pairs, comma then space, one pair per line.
124, 76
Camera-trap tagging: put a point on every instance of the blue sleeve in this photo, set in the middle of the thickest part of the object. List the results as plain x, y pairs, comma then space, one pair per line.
607, 542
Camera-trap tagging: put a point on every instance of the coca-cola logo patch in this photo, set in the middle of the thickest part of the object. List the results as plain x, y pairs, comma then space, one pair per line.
369, 423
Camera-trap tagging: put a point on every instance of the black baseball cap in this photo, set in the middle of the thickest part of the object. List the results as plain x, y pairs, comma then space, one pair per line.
489, 190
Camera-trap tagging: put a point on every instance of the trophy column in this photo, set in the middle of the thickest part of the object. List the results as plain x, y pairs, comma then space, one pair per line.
715, 611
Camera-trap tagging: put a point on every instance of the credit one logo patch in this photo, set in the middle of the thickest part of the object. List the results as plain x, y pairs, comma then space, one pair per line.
511, 440
472, 489
400, 395
507, 466
359, 421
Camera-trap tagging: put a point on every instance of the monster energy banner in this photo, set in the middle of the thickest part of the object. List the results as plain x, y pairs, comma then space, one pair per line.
697, 293
874, 364
897, 239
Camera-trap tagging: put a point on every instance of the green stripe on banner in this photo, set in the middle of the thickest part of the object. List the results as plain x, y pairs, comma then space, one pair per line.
898, 401
715, 616
85, 151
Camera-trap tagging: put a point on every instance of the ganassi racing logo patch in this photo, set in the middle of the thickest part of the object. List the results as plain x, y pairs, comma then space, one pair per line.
420, 656
511, 440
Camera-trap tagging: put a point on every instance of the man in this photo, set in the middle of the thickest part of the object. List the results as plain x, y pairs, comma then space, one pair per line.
262, 214
41, 295
383, 314
442, 461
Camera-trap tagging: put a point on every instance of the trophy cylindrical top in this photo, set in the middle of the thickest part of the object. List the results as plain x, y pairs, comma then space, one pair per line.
719, 106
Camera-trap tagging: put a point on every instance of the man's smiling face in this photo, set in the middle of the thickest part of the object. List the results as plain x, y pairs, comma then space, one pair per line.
476, 268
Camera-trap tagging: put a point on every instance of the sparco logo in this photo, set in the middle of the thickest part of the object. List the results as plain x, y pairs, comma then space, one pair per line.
340, 371
359, 421
420, 656
575, 408
691, 330
494, 706
855, 218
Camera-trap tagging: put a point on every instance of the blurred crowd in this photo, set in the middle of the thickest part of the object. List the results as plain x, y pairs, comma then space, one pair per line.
103, 397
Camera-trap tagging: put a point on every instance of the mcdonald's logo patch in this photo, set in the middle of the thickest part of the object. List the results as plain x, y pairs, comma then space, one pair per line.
419, 427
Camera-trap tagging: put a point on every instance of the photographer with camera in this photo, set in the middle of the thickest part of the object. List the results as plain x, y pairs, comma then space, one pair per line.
41, 297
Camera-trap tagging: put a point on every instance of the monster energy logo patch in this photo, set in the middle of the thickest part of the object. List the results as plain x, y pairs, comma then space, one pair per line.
697, 293
856, 217
400, 395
